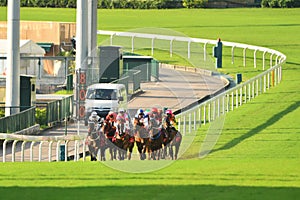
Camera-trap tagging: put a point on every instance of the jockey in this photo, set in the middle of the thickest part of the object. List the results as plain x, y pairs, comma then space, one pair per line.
140, 115
169, 121
146, 119
155, 115
94, 117
111, 118
122, 122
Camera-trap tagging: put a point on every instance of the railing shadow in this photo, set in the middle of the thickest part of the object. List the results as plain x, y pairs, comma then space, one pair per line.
259, 128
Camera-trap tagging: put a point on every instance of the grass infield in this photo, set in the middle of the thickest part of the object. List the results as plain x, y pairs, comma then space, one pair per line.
258, 153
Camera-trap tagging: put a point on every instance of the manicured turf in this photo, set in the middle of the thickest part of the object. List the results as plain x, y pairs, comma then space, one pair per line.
258, 153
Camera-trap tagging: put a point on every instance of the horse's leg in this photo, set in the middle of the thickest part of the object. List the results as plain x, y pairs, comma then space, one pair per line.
140, 149
130, 148
176, 150
171, 151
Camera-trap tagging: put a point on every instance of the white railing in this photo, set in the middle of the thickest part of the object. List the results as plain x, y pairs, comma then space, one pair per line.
189, 120
49, 148
230, 99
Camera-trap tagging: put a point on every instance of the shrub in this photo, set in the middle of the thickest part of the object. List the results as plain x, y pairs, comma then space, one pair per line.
194, 3
41, 116
280, 3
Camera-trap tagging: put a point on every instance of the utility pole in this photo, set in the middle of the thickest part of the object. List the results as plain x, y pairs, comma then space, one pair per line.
12, 101
81, 35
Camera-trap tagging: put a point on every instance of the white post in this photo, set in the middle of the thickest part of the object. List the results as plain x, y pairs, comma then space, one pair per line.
241, 96
249, 91
236, 98
171, 48
31, 150
265, 83
13, 151
50, 151
22, 150
57, 150
189, 49
4, 151
111, 39
245, 93
12, 98
253, 88
271, 60
40, 151
256, 93
244, 56
255, 58
223, 104
204, 114
204, 51
218, 110
132, 44
152, 47
209, 111
264, 60
232, 100
200, 116
232, 54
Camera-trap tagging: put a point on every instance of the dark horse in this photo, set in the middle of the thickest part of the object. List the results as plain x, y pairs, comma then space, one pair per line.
173, 140
156, 139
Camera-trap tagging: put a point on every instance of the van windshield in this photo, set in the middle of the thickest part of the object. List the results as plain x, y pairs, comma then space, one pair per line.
102, 94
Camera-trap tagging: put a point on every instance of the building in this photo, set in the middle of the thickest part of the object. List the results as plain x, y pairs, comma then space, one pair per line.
27, 48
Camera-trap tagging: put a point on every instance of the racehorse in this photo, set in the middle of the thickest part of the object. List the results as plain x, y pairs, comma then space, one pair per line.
93, 140
156, 139
173, 141
141, 137
109, 131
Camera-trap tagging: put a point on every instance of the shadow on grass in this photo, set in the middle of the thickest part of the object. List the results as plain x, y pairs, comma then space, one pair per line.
150, 192
259, 128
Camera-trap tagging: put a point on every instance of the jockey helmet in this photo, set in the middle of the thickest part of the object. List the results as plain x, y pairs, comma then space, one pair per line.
140, 111
121, 110
169, 112
111, 114
94, 114
154, 110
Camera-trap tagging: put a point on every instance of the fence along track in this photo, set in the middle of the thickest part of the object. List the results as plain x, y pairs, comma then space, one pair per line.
188, 120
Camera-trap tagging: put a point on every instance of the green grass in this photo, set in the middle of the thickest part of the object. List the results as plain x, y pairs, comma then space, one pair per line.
257, 154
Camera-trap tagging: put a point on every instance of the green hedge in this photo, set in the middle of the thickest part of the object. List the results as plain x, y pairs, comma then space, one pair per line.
110, 4
145, 4
280, 3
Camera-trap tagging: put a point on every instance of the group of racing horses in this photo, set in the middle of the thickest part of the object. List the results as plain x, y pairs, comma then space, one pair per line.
119, 134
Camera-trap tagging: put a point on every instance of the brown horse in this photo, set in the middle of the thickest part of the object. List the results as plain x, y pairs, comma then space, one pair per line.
109, 131
141, 137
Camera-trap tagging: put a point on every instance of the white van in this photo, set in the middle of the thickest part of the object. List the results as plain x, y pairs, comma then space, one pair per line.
105, 97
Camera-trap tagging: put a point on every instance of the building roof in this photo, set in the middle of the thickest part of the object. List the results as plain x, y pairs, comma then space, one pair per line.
26, 47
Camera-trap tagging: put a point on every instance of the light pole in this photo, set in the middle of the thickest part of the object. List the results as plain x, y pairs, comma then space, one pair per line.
12, 99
